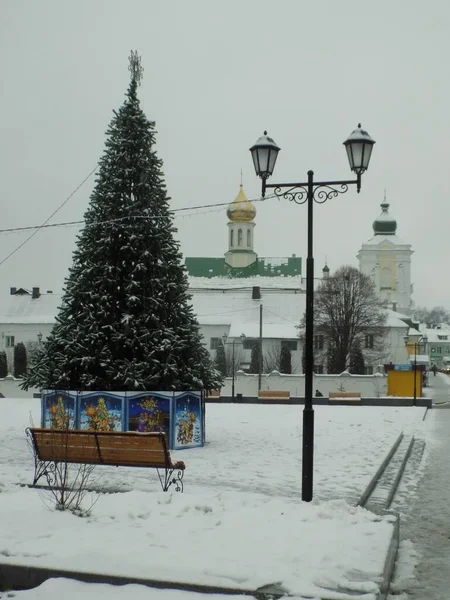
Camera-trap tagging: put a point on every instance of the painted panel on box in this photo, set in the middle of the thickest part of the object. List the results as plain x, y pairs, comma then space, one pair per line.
149, 411
187, 420
101, 411
58, 409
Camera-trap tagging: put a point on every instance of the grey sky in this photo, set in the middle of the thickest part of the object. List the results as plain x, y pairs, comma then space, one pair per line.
215, 76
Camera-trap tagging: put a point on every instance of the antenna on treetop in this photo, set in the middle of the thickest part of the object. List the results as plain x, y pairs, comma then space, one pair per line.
135, 67
241, 177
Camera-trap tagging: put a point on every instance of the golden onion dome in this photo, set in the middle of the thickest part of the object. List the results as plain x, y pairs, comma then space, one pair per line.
241, 210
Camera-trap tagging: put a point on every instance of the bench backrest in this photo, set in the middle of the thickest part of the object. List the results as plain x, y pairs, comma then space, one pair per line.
128, 448
273, 394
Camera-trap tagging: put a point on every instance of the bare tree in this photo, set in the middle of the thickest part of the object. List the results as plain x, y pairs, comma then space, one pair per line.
272, 359
433, 317
347, 312
238, 359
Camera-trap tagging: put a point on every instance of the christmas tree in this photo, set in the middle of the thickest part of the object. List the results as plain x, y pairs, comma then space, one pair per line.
357, 365
254, 359
3, 364
125, 321
285, 360
20, 360
221, 361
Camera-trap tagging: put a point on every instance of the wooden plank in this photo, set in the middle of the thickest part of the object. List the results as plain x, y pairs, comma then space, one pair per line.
274, 395
132, 449
69, 454
332, 395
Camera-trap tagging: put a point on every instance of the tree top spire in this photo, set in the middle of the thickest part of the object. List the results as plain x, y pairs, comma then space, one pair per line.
135, 67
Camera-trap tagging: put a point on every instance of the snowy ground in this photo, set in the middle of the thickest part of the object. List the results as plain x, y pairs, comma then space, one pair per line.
240, 522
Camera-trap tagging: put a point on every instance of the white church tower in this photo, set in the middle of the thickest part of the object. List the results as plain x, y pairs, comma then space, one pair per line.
386, 259
241, 214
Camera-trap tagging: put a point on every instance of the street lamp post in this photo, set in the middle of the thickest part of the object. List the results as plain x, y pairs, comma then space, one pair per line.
232, 344
264, 152
423, 339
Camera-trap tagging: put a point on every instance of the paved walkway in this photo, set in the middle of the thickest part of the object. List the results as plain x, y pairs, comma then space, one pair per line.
427, 522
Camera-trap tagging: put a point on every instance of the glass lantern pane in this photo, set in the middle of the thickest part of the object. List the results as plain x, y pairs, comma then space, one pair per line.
255, 161
366, 155
272, 160
357, 152
263, 158
348, 147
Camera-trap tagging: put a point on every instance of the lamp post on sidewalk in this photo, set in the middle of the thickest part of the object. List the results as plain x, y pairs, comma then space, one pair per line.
232, 344
264, 152
416, 343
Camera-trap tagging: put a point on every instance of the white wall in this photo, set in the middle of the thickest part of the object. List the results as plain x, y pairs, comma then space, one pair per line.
10, 388
370, 386
23, 332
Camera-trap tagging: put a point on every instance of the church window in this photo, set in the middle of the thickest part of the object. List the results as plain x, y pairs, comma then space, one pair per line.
239, 237
386, 278
231, 238
215, 343
249, 238
250, 344
290, 344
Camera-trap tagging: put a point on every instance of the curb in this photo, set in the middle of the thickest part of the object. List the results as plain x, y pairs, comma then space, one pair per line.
399, 475
20, 577
389, 563
372, 483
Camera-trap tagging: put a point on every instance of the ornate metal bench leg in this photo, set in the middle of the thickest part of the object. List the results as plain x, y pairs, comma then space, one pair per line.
40, 468
170, 479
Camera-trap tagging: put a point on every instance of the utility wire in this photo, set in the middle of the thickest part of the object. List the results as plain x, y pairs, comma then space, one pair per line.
44, 224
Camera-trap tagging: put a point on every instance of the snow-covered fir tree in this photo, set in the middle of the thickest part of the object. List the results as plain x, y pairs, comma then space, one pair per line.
125, 321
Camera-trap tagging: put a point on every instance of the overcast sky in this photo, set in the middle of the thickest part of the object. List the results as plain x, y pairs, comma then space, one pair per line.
215, 76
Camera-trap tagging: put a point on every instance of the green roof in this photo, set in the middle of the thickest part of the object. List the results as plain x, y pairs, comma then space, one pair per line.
267, 267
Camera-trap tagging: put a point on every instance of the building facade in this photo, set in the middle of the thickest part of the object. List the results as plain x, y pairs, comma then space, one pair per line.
386, 259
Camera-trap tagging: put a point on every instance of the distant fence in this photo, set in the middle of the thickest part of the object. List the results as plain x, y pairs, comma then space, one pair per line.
10, 388
371, 386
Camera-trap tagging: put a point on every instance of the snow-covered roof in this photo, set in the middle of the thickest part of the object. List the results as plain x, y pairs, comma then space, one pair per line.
377, 240
396, 319
26, 309
436, 335
235, 308
420, 359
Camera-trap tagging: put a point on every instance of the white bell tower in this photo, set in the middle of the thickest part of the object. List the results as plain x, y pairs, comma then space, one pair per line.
386, 259
240, 213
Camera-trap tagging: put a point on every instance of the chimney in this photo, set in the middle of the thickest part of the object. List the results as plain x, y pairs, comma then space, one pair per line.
13, 291
35, 294
256, 292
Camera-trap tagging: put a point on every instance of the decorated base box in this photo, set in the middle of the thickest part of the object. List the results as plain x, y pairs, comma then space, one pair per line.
180, 415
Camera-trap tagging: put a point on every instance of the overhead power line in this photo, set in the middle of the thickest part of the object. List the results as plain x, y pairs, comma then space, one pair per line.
47, 225
37, 228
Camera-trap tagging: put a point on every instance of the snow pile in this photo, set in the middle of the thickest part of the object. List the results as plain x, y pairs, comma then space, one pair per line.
240, 522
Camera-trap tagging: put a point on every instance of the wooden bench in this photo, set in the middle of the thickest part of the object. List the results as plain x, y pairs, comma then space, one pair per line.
212, 395
274, 395
114, 448
350, 396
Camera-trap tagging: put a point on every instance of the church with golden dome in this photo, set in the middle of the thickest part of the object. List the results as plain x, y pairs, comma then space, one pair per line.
241, 260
